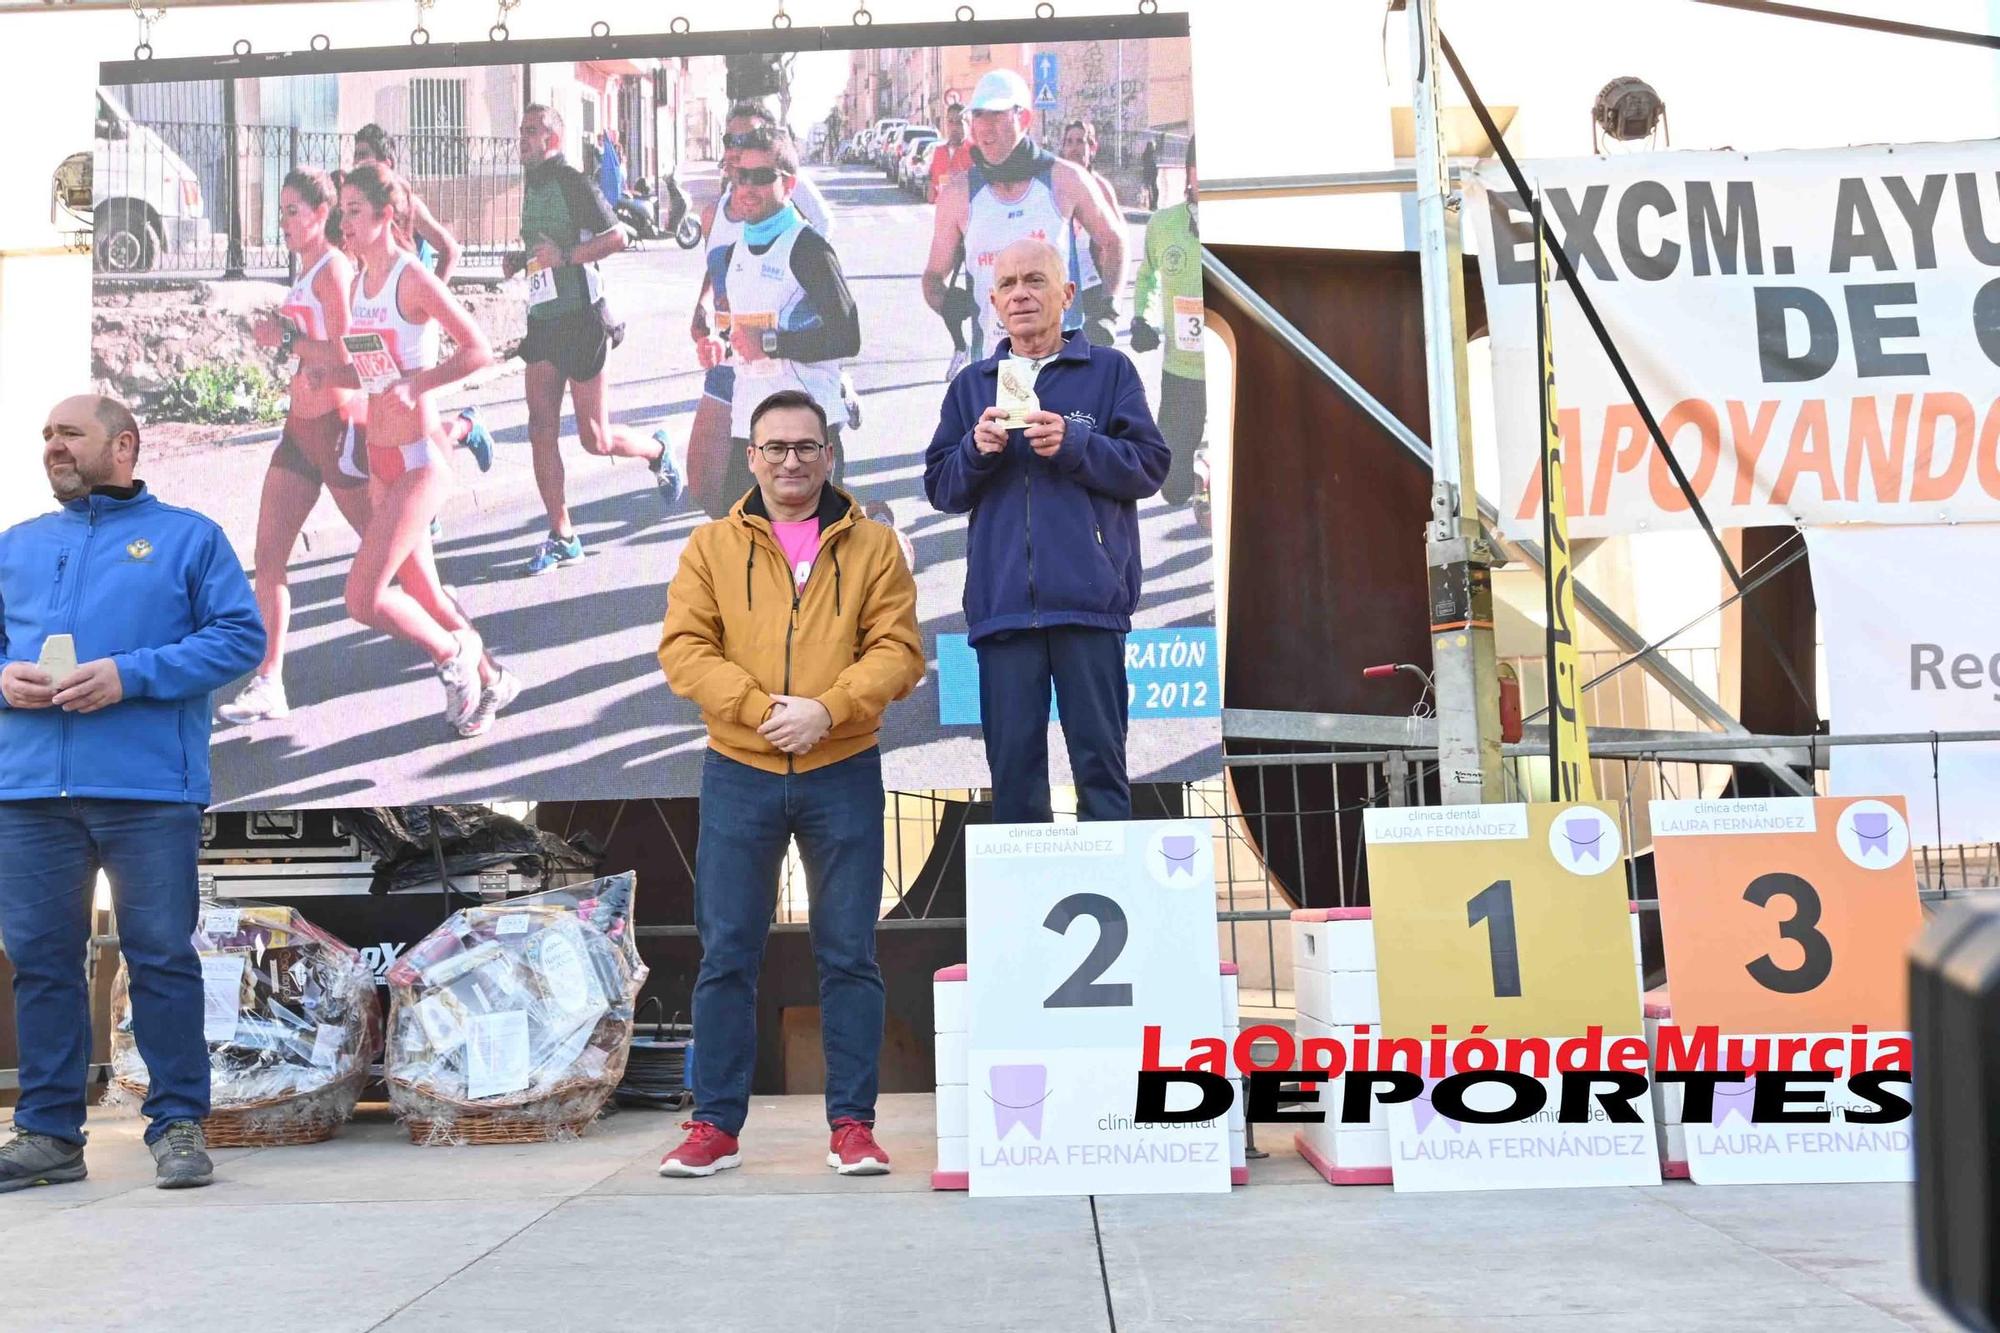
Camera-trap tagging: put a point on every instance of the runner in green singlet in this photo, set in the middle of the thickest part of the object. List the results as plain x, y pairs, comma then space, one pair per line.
1170, 269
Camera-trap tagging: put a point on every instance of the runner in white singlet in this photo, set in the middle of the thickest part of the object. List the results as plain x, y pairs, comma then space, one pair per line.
710, 456
318, 447
1014, 191
398, 309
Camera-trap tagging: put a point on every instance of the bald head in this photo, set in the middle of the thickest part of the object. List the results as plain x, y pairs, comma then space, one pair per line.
1031, 252
89, 440
1031, 290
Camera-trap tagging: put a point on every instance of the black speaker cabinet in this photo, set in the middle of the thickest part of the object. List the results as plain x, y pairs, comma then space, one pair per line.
1955, 1029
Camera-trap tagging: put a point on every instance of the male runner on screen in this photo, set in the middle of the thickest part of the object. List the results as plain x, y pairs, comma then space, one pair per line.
566, 229
1015, 190
1095, 291
709, 448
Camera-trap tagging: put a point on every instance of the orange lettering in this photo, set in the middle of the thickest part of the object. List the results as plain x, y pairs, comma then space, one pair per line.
1942, 483
1801, 455
1883, 457
1749, 441
1612, 457
1989, 451
1692, 411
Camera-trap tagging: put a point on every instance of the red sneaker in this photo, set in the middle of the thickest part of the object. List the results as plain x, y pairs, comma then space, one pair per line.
854, 1151
705, 1151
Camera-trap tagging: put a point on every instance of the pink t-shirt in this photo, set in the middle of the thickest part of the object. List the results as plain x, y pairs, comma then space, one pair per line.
800, 543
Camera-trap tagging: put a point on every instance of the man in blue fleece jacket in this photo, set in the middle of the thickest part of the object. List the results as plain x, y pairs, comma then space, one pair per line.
1052, 564
104, 765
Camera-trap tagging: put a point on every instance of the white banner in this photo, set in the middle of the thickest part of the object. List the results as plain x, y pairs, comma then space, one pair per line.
1912, 640
1816, 332
1078, 937
1430, 1150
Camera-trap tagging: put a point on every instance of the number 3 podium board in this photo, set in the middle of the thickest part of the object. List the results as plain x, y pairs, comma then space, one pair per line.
1078, 937
1787, 917
1514, 919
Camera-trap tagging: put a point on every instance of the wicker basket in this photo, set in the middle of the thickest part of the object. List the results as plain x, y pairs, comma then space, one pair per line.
563, 1112
278, 1122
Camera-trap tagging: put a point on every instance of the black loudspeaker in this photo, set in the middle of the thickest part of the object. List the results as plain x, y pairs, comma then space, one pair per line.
1955, 1030
751, 76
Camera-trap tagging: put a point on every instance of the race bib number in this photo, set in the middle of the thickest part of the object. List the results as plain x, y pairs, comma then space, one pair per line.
754, 323
541, 283
374, 360
1187, 323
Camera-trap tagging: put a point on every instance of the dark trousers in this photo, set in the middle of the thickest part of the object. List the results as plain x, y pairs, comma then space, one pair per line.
50, 853
1087, 668
1183, 419
747, 818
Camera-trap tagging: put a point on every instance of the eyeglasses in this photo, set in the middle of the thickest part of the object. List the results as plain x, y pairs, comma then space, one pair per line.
757, 175
775, 452
747, 139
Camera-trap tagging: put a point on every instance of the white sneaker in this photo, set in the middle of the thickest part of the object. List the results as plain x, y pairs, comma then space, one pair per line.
460, 677
505, 688
263, 697
958, 363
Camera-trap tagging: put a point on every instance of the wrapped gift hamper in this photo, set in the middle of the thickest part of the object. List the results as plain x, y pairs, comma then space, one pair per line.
511, 1022
292, 1023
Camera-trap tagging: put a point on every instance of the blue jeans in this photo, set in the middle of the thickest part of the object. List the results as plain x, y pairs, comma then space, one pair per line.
50, 853
747, 817
1087, 668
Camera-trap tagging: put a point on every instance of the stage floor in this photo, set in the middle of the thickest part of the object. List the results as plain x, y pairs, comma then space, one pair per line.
367, 1232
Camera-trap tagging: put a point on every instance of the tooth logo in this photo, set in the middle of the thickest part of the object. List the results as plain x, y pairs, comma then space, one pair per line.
1871, 829
1179, 857
1017, 1093
1584, 836
1873, 835
1584, 840
1734, 1099
1427, 1113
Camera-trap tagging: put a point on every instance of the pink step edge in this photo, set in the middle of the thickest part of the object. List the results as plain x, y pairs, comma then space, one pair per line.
1340, 1175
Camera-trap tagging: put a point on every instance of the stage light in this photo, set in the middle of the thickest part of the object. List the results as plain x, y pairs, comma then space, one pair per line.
1627, 109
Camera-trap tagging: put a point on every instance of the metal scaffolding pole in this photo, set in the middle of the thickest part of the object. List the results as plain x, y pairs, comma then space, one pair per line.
1463, 663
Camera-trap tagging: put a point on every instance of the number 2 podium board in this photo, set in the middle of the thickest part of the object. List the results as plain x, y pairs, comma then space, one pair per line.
1788, 918
1077, 938
1513, 918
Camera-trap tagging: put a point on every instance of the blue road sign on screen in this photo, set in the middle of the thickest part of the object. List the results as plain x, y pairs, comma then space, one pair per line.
1047, 80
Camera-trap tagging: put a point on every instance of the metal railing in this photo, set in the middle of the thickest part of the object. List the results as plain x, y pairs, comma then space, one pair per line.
1297, 798
207, 193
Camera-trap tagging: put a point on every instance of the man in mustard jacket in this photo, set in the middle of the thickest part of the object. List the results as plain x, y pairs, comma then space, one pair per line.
793, 624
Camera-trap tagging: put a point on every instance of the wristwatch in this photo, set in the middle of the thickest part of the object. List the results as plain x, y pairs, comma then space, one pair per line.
770, 342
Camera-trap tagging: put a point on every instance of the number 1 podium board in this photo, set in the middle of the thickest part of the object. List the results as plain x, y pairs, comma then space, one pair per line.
1513, 919
1788, 917
1078, 937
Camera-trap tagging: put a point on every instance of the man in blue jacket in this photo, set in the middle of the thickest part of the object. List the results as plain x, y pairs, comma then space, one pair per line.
104, 765
1052, 563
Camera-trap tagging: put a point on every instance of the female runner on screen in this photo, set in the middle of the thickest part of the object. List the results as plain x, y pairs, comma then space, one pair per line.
393, 584
319, 447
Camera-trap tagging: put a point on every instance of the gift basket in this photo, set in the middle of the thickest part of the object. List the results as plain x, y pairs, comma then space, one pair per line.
511, 1022
291, 1019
